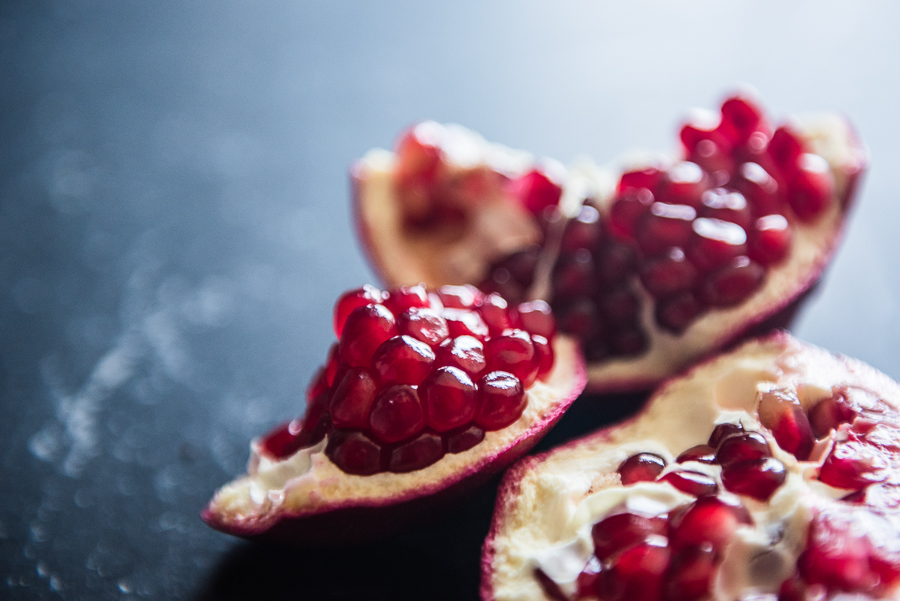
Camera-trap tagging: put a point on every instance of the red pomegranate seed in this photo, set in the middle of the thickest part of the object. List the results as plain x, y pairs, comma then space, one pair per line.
642, 467
512, 352
396, 414
853, 464
795, 589
580, 319
582, 231
316, 422
418, 152
723, 431
741, 447
836, 556
352, 399
677, 313
785, 149
664, 226
406, 297
756, 478
549, 586
496, 313
403, 360
649, 178
810, 187
367, 295
712, 520
668, 274
617, 261
740, 119
684, 184
732, 284
726, 205
639, 573
829, 414
761, 190
691, 574
536, 191
318, 385
627, 209
715, 243
702, 453
282, 441
780, 411
620, 305
462, 322
692, 483
543, 356
364, 331
628, 343
621, 531
501, 400
589, 580
449, 398
354, 452
424, 324
537, 317
331, 364
464, 352
770, 240
574, 275
459, 297
464, 438
420, 452
518, 267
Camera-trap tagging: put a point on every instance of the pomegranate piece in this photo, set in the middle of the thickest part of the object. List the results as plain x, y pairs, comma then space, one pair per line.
643, 467
757, 478
621, 531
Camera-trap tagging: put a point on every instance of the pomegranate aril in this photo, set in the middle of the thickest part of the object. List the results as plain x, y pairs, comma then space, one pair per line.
496, 313
588, 581
639, 573
424, 324
691, 573
543, 353
785, 149
318, 385
770, 240
621, 531
517, 268
449, 398
853, 464
536, 191
620, 305
740, 119
420, 452
332, 363
836, 557
741, 447
677, 313
581, 319
642, 467
780, 411
715, 243
628, 343
760, 188
723, 431
574, 275
701, 453
419, 154
537, 317
668, 274
664, 226
616, 261
582, 231
352, 399
354, 452
396, 414
406, 297
367, 295
501, 400
459, 297
549, 586
692, 483
464, 439
366, 328
726, 205
462, 322
829, 414
810, 187
627, 209
464, 352
513, 352
756, 478
732, 284
711, 520
403, 360
683, 184
282, 441
649, 178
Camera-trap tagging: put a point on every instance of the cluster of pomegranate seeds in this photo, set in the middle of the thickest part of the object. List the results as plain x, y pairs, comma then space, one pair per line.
697, 235
418, 374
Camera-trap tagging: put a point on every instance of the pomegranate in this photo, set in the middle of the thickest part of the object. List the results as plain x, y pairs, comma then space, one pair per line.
424, 394
651, 266
768, 473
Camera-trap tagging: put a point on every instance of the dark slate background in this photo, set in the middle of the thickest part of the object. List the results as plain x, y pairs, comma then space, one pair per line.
174, 227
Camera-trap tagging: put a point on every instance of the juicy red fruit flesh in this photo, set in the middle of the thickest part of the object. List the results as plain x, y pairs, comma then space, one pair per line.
416, 375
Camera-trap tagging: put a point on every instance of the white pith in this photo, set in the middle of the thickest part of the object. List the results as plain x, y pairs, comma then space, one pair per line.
500, 225
547, 522
308, 483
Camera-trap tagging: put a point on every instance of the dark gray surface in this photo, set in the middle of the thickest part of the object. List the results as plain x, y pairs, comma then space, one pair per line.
174, 228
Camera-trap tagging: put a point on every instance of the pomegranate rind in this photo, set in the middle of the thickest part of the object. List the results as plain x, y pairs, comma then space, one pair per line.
305, 499
501, 225
540, 493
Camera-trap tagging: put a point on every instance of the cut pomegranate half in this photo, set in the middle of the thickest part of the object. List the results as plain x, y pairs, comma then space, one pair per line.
652, 265
776, 478
425, 394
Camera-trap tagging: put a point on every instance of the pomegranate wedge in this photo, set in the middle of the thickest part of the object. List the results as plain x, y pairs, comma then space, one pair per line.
767, 473
651, 265
425, 394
